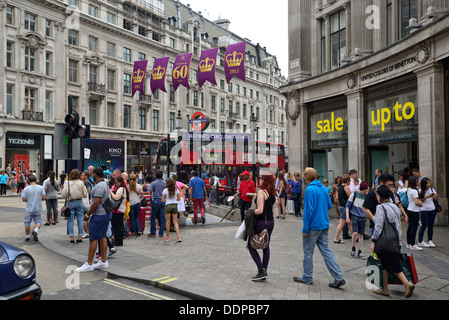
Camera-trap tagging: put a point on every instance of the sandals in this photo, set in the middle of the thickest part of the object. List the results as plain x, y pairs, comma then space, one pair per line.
339, 242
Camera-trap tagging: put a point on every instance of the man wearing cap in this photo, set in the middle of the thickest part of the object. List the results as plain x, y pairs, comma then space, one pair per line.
354, 212
246, 186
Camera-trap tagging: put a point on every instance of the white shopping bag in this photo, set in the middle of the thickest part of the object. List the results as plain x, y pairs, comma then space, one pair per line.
290, 206
241, 232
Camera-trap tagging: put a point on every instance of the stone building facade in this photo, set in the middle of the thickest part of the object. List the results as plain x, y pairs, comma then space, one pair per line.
368, 88
86, 49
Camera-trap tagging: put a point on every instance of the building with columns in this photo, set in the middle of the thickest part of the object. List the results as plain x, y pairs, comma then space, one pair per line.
86, 49
368, 88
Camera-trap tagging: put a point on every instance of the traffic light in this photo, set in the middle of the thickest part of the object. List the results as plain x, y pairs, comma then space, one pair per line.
74, 129
71, 122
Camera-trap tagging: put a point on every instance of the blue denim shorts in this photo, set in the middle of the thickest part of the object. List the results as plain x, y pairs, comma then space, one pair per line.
98, 226
358, 225
32, 216
342, 212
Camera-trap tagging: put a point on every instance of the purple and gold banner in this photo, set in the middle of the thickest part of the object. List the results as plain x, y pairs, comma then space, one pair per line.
235, 61
206, 67
181, 69
140, 69
158, 74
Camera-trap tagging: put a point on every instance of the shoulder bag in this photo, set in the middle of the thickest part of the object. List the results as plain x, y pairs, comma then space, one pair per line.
261, 240
388, 241
65, 210
437, 205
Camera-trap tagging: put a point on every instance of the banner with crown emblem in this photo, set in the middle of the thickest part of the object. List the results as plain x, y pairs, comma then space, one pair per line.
158, 74
206, 67
235, 61
180, 75
140, 69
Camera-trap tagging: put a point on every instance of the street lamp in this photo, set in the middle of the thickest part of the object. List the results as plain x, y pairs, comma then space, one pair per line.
253, 123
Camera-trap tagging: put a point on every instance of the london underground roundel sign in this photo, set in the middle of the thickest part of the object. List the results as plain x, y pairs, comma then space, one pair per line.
200, 121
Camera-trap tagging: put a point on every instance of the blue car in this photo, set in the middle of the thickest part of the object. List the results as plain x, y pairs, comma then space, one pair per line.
17, 275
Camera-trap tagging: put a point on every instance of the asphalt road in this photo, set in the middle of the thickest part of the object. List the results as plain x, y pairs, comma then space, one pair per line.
55, 273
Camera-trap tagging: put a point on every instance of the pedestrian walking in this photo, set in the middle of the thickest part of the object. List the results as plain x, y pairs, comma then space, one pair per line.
157, 206
171, 196
198, 194
119, 192
343, 194
135, 198
413, 210
74, 191
391, 263
296, 192
13, 183
357, 217
264, 218
337, 183
22, 182
427, 196
316, 230
4, 178
282, 197
246, 188
51, 187
98, 217
33, 195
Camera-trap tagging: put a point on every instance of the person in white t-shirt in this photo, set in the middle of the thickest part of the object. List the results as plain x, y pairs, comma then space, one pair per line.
171, 196
413, 209
428, 213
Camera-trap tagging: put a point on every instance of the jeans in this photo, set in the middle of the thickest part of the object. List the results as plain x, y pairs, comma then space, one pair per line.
134, 218
321, 239
157, 212
76, 210
3, 189
52, 205
260, 225
118, 228
413, 221
427, 220
298, 204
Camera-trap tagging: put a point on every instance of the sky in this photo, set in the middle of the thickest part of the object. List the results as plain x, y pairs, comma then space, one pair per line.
261, 21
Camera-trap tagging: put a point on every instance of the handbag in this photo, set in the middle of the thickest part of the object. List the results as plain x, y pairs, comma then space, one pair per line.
437, 205
388, 241
65, 210
261, 240
115, 204
240, 234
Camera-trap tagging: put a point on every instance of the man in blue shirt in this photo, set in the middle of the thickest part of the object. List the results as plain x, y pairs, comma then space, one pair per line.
198, 194
315, 230
33, 195
157, 206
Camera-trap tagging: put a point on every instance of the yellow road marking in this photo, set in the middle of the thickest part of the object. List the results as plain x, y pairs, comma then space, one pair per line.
137, 290
169, 280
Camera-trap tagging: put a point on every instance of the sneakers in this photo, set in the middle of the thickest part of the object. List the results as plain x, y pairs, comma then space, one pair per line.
261, 276
415, 247
360, 255
85, 268
431, 244
101, 265
35, 238
203, 220
423, 244
352, 255
337, 284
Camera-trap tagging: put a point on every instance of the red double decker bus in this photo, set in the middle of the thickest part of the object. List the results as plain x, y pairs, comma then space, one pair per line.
227, 159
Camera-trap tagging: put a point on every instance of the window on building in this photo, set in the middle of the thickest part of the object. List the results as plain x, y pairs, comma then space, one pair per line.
9, 99
73, 71
73, 3
187, 96
48, 28
73, 37
30, 99
127, 83
10, 54
48, 97
127, 54
195, 98
93, 44
48, 63
30, 59
407, 9
222, 105
171, 122
127, 117
93, 11
155, 120
142, 56
111, 113
110, 49
93, 112
213, 102
111, 18
142, 119
172, 94
111, 79
9, 15
389, 22
128, 25
143, 31
93, 72
323, 46
338, 38
30, 21
172, 42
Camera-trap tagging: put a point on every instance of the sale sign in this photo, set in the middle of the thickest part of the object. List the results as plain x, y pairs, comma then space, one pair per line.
22, 162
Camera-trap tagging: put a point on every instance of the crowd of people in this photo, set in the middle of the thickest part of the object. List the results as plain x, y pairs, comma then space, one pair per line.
15, 179
107, 211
